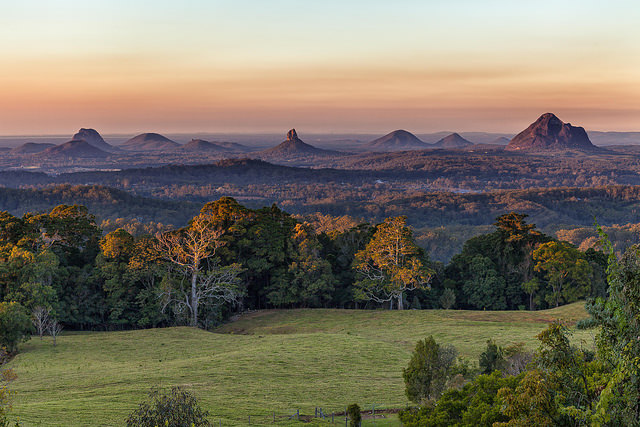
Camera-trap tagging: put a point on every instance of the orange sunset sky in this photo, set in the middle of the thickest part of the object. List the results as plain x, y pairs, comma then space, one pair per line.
321, 66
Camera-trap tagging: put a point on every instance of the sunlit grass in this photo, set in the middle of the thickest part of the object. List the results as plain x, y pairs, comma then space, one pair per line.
269, 361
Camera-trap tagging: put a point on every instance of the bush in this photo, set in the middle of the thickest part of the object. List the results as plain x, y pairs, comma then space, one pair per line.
176, 408
491, 359
429, 369
353, 411
15, 325
448, 299
587, 323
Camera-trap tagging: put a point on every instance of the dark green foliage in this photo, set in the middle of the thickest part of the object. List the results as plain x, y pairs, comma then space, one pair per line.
491, 359
429, 369
174, 408
15, 325
618, 344
415, 303
476, 404
448, 298
353, 412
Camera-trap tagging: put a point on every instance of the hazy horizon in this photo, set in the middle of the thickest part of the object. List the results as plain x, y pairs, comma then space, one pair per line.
330, 67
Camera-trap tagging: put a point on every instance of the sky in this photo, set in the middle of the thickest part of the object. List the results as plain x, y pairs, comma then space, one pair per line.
130, 66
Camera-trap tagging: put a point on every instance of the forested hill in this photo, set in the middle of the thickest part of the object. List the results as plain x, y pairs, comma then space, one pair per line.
230, 171
550, 209
104, 202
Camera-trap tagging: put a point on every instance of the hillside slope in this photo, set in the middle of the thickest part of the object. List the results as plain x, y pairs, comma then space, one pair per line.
292, 359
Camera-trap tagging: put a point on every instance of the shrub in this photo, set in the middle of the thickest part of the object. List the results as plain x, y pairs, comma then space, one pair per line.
587, 323
448, 299
491, 359
15, 325
429, 369
353, 411
175, 408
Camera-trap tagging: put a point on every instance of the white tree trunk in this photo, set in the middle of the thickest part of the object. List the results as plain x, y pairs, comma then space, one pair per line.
194, 300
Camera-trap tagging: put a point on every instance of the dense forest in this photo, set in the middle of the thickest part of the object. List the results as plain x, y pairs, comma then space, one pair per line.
442, 222
230, 258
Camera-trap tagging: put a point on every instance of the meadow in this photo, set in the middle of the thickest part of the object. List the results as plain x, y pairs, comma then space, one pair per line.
265, 362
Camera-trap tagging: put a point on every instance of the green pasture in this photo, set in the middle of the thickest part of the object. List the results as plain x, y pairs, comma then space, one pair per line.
265, 362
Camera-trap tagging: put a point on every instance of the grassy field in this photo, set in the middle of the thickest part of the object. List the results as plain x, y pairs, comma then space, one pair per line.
268, 361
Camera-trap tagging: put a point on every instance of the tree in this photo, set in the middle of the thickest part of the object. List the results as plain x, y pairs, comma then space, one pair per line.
428, 371
15, 325
561, 389
476, 404
391, 264
448, 298
491, 359
175, 408
355, 417
530, 287
566, 271
311, 280
486, 288
54, 330
618, 344
6, 377
192, 250
40, 317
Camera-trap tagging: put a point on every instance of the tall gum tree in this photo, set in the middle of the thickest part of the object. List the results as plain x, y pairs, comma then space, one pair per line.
391, 264
192, 251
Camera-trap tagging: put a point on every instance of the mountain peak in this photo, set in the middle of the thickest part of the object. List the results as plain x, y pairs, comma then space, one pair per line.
293, 147
453, 140
150, 141
548, 132
74, 148
397, 140
92, 137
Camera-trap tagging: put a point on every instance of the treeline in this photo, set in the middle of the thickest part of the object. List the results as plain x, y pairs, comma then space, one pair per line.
230, 257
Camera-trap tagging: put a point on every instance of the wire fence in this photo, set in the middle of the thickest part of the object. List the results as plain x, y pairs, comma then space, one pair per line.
370, 415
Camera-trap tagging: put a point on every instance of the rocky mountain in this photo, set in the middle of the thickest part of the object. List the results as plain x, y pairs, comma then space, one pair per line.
549, 133
31, 148
453, 141
94, 138
293, 147
74, 149
398, 140
149, 142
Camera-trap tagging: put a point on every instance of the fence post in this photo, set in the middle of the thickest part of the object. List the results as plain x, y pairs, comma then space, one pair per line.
298, 414
332, 418
274, 417
373, 412
249, 419
345, 417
